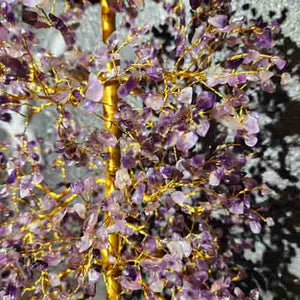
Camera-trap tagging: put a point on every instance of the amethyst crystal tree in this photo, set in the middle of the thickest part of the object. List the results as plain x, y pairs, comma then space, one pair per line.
187, 129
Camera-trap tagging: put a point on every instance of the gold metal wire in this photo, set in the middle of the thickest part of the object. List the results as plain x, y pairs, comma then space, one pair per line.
110, 105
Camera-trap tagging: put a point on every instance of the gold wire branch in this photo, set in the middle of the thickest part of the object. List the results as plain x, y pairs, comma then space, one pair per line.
174, 81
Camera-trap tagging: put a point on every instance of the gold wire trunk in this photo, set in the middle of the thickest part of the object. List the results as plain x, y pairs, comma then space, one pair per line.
110, 106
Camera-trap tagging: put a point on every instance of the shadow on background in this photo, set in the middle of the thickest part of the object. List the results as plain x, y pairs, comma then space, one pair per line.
272, 272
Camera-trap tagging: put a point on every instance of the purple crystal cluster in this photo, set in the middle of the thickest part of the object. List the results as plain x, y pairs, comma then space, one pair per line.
188, 128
